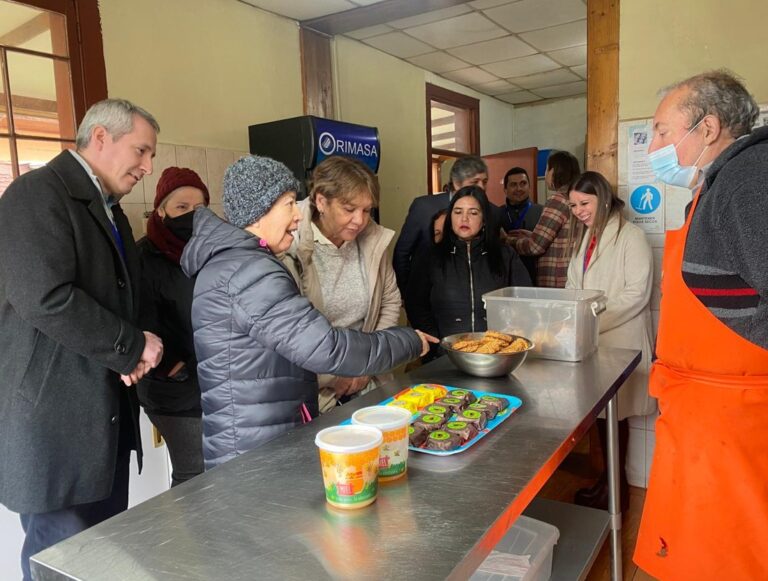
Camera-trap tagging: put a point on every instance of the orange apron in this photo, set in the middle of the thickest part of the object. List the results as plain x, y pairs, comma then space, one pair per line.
706, 510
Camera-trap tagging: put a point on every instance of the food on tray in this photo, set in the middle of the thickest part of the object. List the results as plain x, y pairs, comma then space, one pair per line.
406, 405
417, 435
433, 391
489, 411
464, 394
439, 410
463, 429
473, 417
442, 440
429, 422
456, 404
492, 342
491, 400
415, 397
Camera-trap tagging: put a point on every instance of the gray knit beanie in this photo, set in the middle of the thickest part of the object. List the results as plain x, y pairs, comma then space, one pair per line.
252, 185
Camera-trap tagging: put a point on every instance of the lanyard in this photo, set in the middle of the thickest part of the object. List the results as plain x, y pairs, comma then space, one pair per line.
518, 223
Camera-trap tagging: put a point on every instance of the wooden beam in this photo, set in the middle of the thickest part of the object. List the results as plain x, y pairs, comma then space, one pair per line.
379, 13
31, 105
316, 74
27, 31
603, 88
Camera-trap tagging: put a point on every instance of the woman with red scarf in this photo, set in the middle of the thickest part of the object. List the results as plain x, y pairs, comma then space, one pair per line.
614, 256
170, 393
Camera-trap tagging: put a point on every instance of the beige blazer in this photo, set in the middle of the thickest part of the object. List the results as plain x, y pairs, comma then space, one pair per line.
622, 267
385, 301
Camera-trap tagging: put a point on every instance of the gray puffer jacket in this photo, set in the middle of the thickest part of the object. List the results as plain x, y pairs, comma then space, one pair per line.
260, 344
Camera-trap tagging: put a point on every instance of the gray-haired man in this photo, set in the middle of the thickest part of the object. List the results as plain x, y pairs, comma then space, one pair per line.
71, 350
707, 491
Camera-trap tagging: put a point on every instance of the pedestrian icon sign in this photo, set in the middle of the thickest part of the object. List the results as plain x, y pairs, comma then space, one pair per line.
645, 199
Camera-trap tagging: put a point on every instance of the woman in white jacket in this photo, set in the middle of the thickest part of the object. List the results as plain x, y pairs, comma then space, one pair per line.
339, 259
613, 255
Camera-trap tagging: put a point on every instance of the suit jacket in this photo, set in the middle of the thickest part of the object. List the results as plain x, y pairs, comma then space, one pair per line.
415, 233
68, 302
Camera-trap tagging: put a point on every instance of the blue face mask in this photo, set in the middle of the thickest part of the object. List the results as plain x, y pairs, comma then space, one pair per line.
667, 168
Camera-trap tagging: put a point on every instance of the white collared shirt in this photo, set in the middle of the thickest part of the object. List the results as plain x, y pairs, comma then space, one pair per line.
106, 199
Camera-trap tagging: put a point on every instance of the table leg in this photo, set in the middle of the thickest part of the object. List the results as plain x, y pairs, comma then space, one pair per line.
614, 506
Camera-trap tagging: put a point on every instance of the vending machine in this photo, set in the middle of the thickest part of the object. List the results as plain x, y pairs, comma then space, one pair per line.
303, 142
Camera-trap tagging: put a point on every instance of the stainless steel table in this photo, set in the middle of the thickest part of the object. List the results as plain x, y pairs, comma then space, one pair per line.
264, 515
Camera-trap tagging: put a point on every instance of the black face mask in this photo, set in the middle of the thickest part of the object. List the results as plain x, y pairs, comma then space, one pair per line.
180, 226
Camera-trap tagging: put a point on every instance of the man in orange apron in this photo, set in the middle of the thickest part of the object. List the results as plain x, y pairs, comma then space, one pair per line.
706, 510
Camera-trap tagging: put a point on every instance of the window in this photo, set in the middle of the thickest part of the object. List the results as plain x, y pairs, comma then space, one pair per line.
43, 89
453, 130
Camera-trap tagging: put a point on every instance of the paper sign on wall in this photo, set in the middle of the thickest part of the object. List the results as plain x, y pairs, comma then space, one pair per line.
638, 168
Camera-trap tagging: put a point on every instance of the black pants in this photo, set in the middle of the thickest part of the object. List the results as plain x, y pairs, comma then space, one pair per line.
184, 437
45, 529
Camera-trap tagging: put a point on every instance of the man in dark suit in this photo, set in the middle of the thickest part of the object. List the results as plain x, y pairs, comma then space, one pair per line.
519, 211
71, 351
466, 171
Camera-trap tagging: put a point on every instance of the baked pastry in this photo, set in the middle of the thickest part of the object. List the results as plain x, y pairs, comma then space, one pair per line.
463, 429
499, 403
489, 411
442, 440
473, 417
417, 435
430, 422
464, 394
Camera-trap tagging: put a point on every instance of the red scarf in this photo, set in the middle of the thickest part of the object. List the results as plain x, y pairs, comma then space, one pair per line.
165, 240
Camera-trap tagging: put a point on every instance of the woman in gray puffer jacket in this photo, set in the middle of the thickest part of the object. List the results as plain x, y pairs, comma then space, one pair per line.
259, 343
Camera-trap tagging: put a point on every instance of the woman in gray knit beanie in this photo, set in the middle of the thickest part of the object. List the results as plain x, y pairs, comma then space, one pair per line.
259, 343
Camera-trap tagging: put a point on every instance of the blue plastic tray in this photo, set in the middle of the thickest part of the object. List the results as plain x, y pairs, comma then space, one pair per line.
514, 403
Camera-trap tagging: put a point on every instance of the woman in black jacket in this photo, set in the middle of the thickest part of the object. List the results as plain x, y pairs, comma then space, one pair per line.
444, 295
170, 393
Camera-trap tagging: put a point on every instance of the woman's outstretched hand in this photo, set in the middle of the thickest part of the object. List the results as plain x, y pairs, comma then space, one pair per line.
425, 341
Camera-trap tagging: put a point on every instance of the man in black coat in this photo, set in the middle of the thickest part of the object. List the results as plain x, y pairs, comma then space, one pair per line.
69, 276
414, 235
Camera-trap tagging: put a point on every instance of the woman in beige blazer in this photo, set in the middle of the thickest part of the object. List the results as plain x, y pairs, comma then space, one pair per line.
613, 255
339, 259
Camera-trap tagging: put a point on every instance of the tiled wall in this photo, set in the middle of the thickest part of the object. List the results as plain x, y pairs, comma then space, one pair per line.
209, 163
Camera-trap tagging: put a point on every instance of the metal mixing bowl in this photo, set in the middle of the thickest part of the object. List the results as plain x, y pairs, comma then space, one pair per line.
484, 364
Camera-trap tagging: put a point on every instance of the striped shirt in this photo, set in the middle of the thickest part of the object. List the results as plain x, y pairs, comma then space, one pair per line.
548, 241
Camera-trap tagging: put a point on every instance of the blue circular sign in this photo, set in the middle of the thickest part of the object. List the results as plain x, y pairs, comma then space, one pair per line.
645, 199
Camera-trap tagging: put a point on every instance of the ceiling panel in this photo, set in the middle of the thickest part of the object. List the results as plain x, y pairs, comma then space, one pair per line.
483, 4
457, 31
438, 62
563, 36
519, 67
557, 77
496, 87
432, 16
471, 76
570, 57
535, 14
493, 50
369, 31
366, 2
303, 9
519, 97
581, 70
399, 44
566, 90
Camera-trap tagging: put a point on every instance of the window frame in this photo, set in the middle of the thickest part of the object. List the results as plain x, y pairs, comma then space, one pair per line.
459, 101
88, 78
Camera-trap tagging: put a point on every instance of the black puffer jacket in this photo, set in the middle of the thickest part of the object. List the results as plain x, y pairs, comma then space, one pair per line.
260, 344
166, 310
450, 300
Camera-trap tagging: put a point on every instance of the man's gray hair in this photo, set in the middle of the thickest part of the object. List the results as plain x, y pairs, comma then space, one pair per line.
116, 116
722, 94
467, 167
